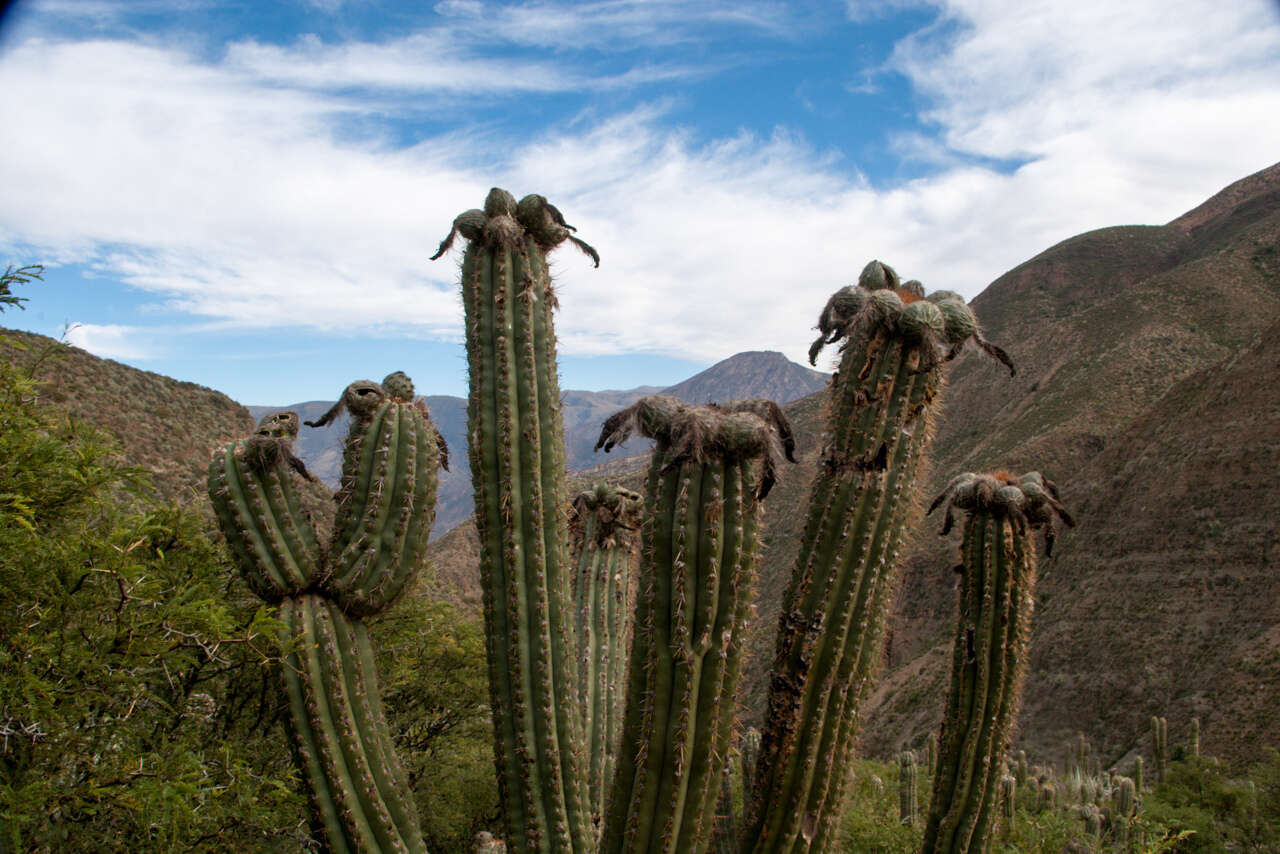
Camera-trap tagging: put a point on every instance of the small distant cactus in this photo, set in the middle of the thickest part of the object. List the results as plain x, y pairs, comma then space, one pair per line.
1137, 775
385, 506
1160, 746
993, 629
907, 796
1195, 736
1008, 798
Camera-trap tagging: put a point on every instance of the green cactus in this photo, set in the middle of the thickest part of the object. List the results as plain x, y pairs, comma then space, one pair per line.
1195, 737
517, 467
1137, 774
604, 524
996, 598
1160, 746
1022, 770
907, 795
750, 752
1008, 798
862, 502
385, 506
703, 507
1124, 806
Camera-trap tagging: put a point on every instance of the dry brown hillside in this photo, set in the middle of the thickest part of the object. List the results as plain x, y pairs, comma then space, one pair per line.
164, 425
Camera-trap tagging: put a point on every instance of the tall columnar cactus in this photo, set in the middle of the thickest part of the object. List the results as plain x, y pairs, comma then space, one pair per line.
1195, 736
750, 753
993, 629
385, 506
1160, 746
1124, 805
834, 611
1008, 798
516, 444
708, 475
907, 795
1137, 775
605, 524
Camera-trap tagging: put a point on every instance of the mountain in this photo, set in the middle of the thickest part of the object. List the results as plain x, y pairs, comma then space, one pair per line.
754, 374
1148, 387
162, 424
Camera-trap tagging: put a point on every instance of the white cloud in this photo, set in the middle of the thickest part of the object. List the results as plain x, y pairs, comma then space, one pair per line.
242, 201
109, 341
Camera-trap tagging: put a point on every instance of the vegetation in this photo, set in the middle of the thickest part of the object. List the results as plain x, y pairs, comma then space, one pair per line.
135, 699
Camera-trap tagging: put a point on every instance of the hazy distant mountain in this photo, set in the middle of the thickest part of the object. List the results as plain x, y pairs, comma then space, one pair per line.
755, 374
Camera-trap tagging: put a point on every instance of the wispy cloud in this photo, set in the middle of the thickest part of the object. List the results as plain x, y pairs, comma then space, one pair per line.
616, 25
232, 192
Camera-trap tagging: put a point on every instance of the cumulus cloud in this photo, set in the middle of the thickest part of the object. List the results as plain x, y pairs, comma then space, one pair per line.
234, 191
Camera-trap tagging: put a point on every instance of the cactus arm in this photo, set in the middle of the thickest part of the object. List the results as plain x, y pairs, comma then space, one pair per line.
258, 512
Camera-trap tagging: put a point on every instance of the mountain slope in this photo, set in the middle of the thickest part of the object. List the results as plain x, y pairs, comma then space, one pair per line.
164, 425
1118, 334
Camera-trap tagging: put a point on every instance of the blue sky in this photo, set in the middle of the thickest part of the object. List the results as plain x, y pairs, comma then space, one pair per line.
245, 195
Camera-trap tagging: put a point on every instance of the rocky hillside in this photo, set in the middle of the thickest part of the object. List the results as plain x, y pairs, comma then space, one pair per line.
164, 425
1148, 386
754, 374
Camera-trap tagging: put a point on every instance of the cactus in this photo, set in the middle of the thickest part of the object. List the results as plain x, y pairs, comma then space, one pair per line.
996, 598
1137, 774
1124, 806
727, 815
1008, 798
703, 506
604, 524
386, 503
750, 750
1022, 769
1195, 737
1160, 746
516, 446
907, 809
834, 610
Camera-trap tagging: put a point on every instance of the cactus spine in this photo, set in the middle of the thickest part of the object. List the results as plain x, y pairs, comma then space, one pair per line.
993, 627
386, 503
834, 609
603, 523
702, 517
907, 799
516, 445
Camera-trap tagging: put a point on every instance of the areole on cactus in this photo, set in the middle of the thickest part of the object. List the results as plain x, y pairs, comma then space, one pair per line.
385, 506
